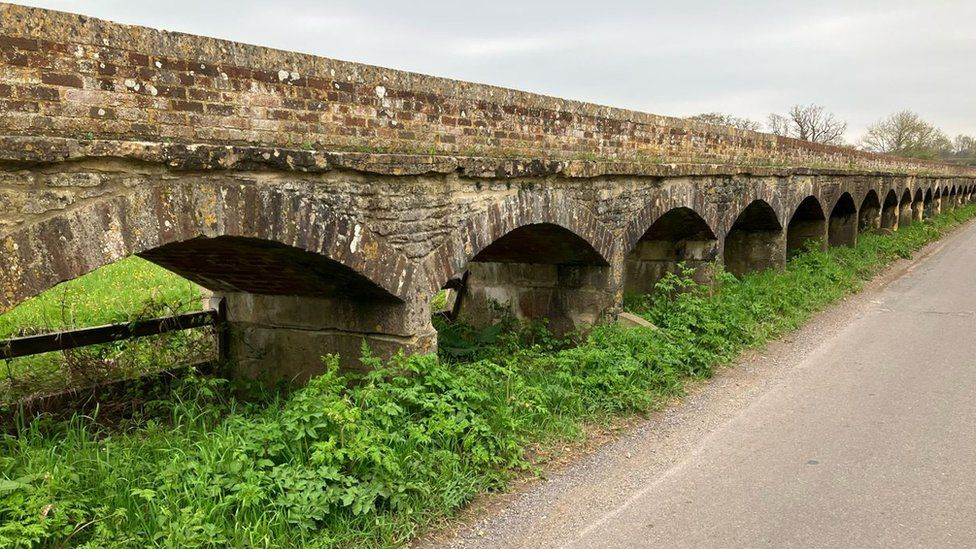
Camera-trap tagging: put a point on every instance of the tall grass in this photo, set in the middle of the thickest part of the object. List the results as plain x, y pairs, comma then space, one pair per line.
127, 290
109, 294
370, 459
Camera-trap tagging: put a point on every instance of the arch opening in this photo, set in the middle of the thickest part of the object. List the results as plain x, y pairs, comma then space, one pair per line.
842, 227
917, 206
299, 279
756, 240
680, 236
928, 204
124, 290
869, 214
534, 272
233, 264
807, 224
889, 211
906, 211
288, 307
285, 307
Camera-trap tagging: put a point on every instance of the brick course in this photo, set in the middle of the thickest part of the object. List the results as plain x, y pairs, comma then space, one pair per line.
173, 87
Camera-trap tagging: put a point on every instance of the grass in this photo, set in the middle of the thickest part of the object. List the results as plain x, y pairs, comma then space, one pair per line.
372, 459
120, 292
109, 294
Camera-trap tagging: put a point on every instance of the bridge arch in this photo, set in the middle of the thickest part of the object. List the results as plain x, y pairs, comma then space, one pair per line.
476, 232
266, 249
906, 209
533, 255
918, 206
928, 203
807, 223
153, 220
889, 210
755, 241
869, 214
842, 225
679, 236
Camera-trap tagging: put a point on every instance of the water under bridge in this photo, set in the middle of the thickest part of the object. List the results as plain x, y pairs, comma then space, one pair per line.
328, 202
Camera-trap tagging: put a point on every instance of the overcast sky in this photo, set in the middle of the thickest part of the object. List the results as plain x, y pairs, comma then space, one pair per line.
860, 59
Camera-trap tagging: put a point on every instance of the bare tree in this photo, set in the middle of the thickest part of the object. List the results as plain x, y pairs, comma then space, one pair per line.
779, 125
964, 145
905, 134
963, 150
810, 123
724, 119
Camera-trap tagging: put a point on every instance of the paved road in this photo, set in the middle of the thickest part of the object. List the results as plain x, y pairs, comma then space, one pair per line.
858, 432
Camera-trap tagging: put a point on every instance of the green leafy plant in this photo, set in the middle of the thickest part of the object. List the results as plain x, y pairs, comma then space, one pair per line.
369, 459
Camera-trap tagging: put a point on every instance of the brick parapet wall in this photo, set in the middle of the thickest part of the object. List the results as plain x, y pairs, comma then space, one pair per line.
83, 79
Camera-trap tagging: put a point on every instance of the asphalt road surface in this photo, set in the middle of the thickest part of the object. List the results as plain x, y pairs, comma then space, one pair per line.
858, 431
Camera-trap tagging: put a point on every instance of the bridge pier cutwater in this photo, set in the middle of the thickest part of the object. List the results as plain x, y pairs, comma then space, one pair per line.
328, 202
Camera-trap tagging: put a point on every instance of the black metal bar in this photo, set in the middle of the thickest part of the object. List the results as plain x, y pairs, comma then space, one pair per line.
460, 289
72, 339
220, 323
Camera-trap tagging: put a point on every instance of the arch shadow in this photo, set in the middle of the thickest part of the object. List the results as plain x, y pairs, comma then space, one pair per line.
534, 256
755, 241
842, 225
678, 237
807, 224
869, 214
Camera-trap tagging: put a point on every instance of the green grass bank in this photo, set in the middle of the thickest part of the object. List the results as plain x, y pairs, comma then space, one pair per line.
370, 460
121, 292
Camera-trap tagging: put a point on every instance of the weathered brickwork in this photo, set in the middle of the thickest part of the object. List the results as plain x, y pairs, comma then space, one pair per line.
72, 76
329, 201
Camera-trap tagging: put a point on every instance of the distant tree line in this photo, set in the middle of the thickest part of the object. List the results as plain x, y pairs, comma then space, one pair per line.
903, 133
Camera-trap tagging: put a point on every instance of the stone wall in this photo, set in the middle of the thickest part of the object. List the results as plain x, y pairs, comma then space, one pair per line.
316, 262
83, 78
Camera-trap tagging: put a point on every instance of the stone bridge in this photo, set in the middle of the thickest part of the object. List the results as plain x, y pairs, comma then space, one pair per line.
328, 201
